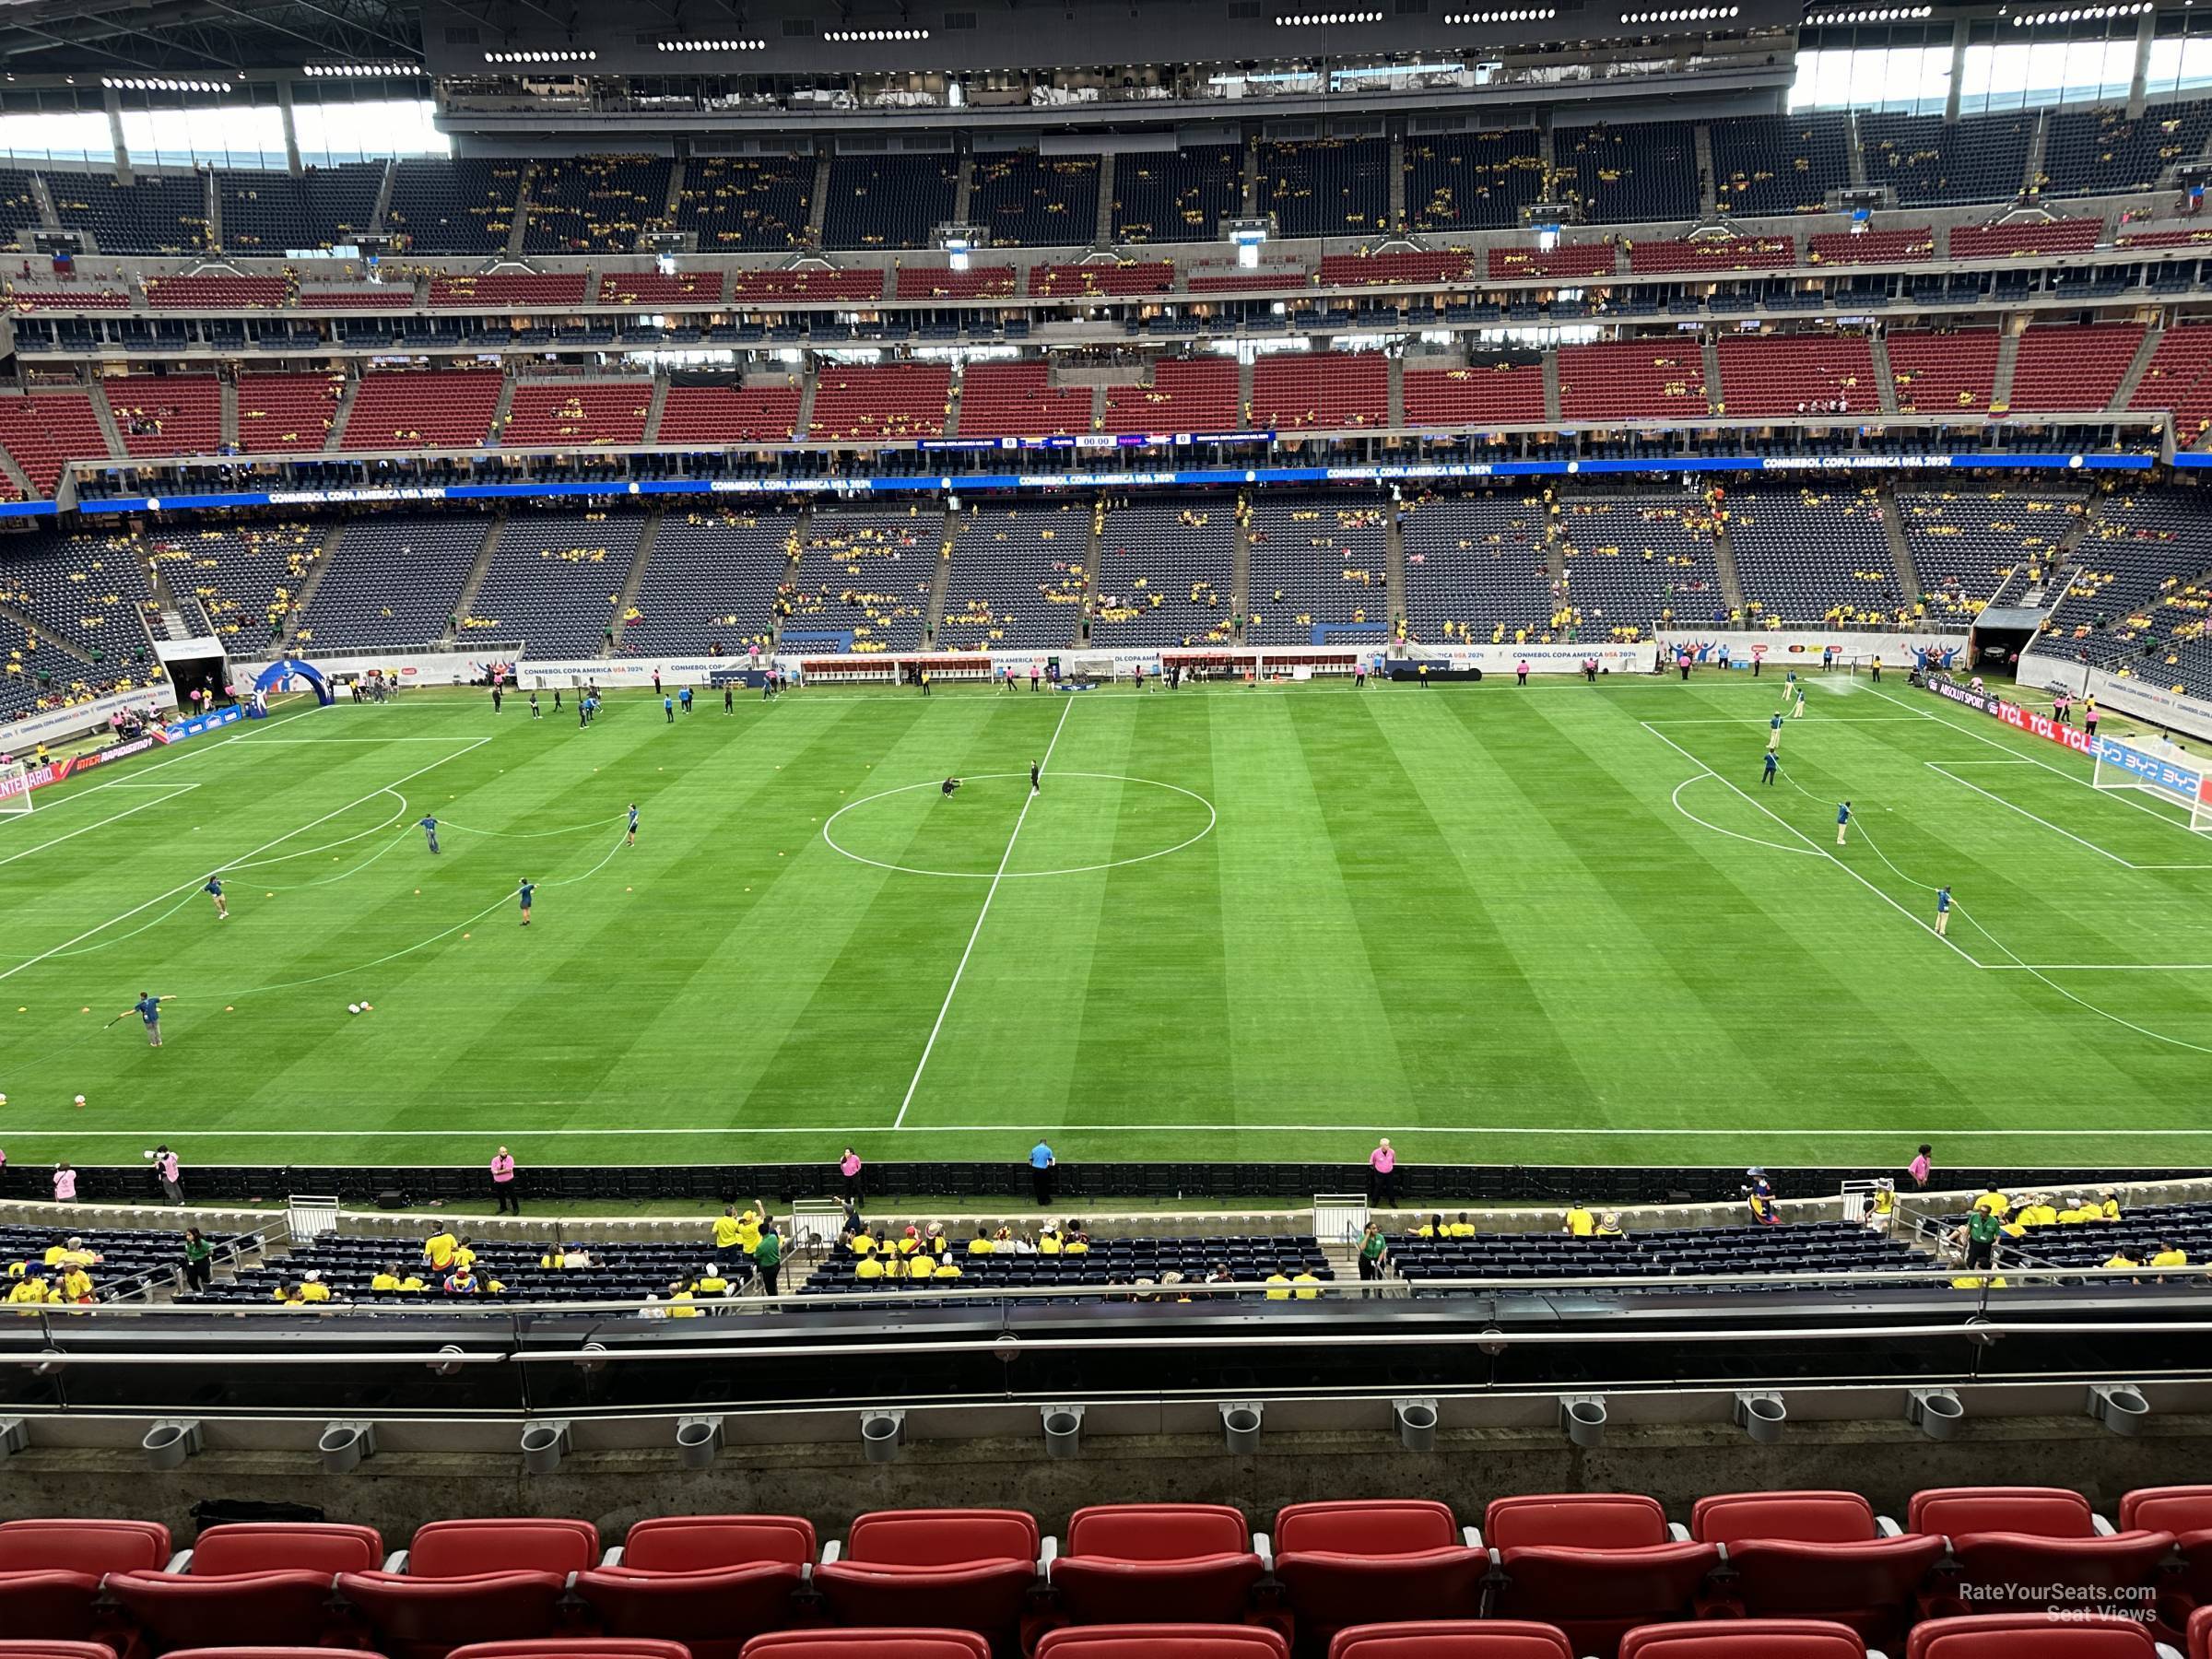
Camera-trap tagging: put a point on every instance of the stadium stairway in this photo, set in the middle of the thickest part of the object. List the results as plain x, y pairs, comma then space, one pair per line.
315, 573
636, 577
2125, 391
1723, 559
1893, 522
227, 390
1885, 381
659, 405
2009, 358
932, 611
503, 411
1239, 580
801, 529
341, 414
1394, 543
475, 584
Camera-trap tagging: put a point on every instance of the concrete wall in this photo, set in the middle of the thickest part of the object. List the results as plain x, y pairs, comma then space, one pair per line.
830, 1484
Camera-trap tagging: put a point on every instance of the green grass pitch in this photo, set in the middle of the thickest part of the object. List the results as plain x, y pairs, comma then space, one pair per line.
1559, 925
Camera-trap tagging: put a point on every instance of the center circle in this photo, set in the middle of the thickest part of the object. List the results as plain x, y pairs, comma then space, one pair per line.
994, 874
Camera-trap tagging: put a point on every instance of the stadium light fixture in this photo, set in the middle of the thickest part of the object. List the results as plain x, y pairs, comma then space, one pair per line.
711, 45
357, 71
1542, 14
864, 37
1693, 14
117, 84
1325, 19
541, 57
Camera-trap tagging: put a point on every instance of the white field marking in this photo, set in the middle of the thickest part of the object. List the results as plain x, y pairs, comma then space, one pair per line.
173, 791
1823, 851
2099, 967
137, 780
2124, 796
1751, 719
976, 932
236, 862
1693, 818
1212, 818
511, 1132
327, 742
2080, 841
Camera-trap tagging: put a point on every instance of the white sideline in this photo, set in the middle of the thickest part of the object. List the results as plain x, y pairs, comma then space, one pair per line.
990, 893
171, 1132
223, 864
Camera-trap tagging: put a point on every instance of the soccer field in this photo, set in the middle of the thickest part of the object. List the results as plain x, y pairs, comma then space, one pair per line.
1558, 924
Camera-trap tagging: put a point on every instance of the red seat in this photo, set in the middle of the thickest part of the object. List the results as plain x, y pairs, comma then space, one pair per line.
1453, 1639
868, 1644
473, 1581
50, 1574
2036, 1535
962, 1570
2029, 1636
1814, 1555
1342, 1563
711, 1581
1163, 1641
54, 1650
1751, 1638
2199, 1637
2186, 1512
264, 1583
575, 1647
1597, 1566
1177, 1563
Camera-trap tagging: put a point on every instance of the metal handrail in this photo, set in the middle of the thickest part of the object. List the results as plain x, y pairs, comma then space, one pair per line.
1242, 1290
1006, 1345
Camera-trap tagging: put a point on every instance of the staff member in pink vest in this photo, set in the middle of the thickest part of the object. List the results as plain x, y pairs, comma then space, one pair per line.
503, 1184
65, 1184
1383, 1175
848, 1167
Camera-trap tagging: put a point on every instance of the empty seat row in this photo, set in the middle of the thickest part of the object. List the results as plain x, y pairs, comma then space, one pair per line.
1595, 1567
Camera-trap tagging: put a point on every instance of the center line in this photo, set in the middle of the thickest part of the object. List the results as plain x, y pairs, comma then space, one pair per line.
990, 893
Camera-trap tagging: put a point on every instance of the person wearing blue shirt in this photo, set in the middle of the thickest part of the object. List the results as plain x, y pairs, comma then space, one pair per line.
1773, 733
633, 823
214, 890
685, 694
1943, 910
525, 891
668, 708
148, 1008
1843, 821
429, 825
1041, 1164
1768, 777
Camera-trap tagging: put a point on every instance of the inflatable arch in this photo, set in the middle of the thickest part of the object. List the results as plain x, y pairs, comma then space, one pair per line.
278, 677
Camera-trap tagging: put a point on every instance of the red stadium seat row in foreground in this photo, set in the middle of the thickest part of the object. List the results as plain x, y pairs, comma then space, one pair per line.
1593, 1573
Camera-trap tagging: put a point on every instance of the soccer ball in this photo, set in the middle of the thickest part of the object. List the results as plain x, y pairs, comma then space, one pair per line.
80, 1100
148, 1153
2, 1099
353, 1007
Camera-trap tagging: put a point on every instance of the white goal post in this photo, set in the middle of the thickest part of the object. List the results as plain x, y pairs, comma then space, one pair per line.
2157, 766
15, 789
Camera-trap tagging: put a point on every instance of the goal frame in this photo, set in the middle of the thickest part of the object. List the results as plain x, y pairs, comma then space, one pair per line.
2158, 772
15, 789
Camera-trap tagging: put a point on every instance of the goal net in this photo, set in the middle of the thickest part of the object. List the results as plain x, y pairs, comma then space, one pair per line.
2156, 767
14, 789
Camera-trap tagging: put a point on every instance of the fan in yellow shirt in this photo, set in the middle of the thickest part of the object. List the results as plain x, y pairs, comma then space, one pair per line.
1304, 1277
2108, 1205
2170, 1255
749, 1231
2120, 1258
727, 1229
868, 1267
1279, 1286
312, 1289
981, 1245
33, 1290
946, 1269
1996, 1203
439, 1248
710, 1283
387, 1278
1580, 1223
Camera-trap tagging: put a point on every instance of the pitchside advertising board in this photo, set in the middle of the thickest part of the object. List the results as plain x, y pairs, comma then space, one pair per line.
2013, 715
71, 766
